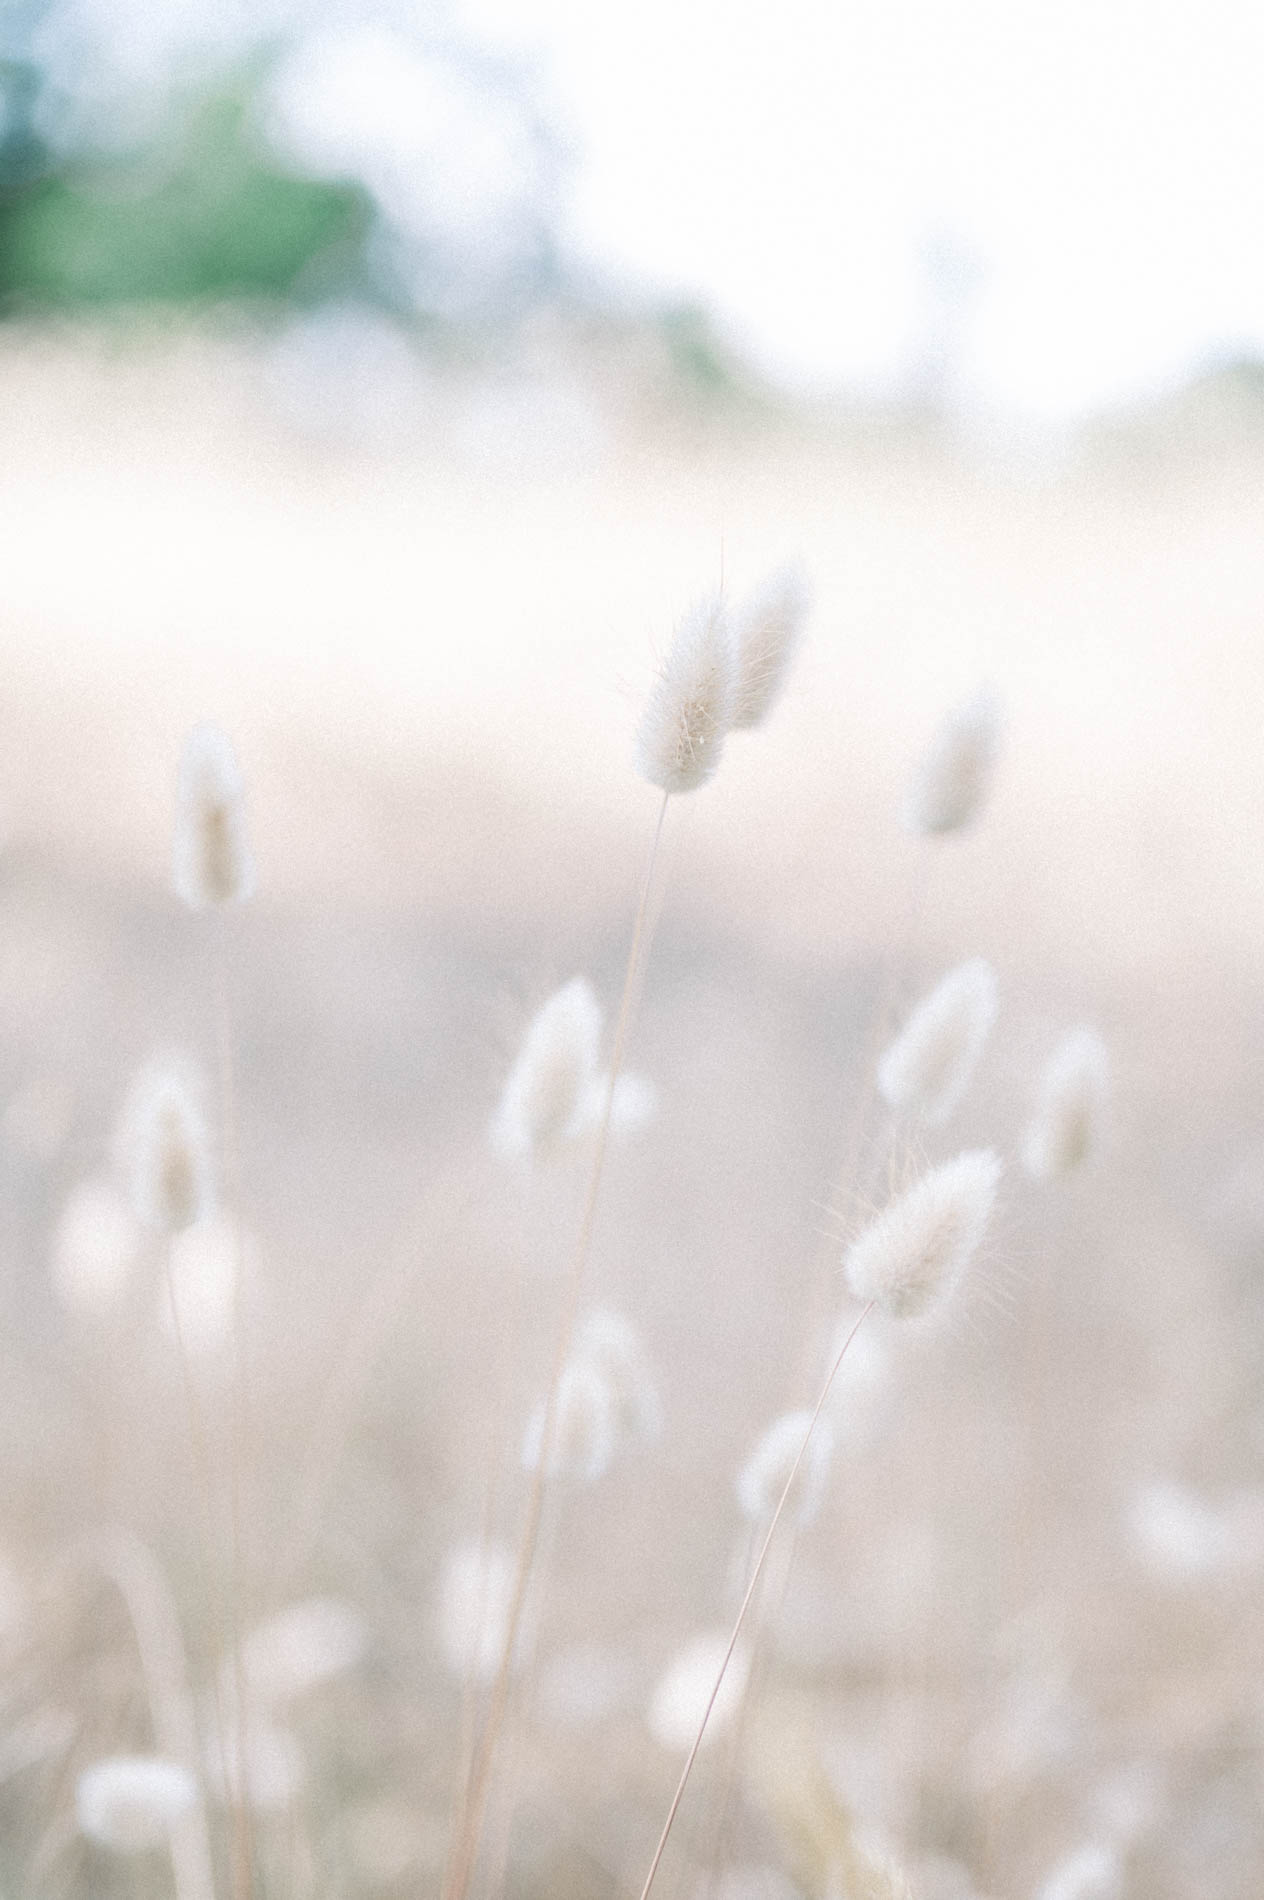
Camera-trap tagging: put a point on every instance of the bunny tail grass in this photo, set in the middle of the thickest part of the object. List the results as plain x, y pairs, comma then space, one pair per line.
954, 775
691, 706
769, 627
470, 1822
927, 1069
911, 1257
210, 848
751, 1587
1071, 1107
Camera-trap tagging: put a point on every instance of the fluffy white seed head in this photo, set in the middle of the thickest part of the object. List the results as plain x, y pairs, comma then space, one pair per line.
95, 1248
952, 779
131, 1802
763, 1477
606, 1341
910, 1258
691, 704
1091, 1873
1178, 1535
475, 1597
213, 865
198, 1295
633, 1105
548, 1092
680, 1697
584, 1435
166, 1148
304, 1645
768, 628
927, 1069
1070, 1107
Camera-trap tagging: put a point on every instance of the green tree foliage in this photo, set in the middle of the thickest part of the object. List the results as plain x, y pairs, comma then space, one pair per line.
205, 212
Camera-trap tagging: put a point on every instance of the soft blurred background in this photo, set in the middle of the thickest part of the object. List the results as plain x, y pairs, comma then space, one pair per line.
382, 381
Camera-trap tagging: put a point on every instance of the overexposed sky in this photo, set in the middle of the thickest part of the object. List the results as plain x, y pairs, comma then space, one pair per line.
1089, 174
1101, 161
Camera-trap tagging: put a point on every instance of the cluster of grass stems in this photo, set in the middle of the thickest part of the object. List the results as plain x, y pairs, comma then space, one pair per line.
912, 1229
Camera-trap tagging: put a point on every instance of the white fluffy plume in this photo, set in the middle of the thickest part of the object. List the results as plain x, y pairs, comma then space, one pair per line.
910, 1258
475, 1594
1070, 1106
953, 776
691, 704
584, 1435
767, 629
165, 1147
763, 1477
1092, 1872
928, 1067
297, 1649
549, 1090
680, 1697
606, 1340
131, 1802
213, 865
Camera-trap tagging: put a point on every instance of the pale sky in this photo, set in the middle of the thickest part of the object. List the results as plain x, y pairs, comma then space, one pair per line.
1102, 159
1097, 167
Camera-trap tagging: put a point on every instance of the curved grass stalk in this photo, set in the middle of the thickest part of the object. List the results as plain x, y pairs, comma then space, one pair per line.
132, 1570
480, 1775
748, 1598
243, 1844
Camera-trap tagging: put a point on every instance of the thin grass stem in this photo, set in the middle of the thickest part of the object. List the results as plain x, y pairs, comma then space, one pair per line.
199, 1441
747, 1599
844, 1177
480, 1778
140, 1583
366, 1332
243, 1846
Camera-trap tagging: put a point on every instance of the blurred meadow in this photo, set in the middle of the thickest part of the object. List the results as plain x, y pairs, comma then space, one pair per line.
322, 425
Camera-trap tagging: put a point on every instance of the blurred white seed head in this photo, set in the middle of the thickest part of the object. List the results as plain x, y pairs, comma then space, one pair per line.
928, 1068
763, 1477
1091, 1873
131, 1802
548, 1091
911, 1257
606, 1340
304, 1645
475, 1598
1178, 1535
213, 865
767, 630
198, 1298
691, 704
166, 1148
682, 1692
584, 1434
94, 1248
954, 774
633, 1105
1070, 1106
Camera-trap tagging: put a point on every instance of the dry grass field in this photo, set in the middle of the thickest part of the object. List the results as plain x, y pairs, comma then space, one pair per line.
1026, 1623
